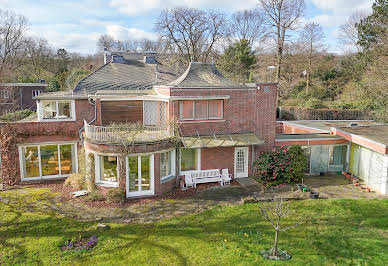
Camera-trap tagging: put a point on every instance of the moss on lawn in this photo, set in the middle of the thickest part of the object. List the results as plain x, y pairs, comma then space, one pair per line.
339, 232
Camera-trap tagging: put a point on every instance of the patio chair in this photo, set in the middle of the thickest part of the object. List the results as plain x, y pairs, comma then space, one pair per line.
189, 182
226, 177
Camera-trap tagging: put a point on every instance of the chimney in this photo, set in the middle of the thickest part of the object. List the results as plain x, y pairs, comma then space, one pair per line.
118, 59
149, 59
107, 55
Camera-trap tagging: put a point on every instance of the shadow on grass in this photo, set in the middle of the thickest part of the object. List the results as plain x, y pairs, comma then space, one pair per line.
340, 231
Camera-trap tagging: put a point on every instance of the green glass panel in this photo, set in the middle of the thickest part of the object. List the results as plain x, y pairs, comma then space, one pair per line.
31, 161
188, 159
133, 174
67, 157
49, 160
145, 173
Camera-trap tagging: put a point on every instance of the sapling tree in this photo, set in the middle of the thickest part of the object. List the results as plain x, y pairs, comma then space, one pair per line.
275, 213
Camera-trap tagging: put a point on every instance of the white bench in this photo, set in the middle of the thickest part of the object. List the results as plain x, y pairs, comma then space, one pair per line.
203, 176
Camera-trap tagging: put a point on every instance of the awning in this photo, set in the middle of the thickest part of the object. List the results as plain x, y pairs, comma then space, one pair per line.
229, 140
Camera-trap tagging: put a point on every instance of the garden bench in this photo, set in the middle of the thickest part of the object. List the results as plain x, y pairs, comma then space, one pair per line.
203, 176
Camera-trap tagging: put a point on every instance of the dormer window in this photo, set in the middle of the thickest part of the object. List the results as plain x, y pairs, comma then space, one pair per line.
201, 110
56, 110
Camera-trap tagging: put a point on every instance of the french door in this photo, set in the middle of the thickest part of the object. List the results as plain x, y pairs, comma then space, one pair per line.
140, 175
241, 162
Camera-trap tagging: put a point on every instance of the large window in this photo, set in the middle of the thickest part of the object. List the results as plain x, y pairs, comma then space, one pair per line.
140, 175
189, 159
201, 110
108, 169
166, 164
57, 110
46, 161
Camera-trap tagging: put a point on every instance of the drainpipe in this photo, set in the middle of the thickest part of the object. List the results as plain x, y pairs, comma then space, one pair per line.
91, 121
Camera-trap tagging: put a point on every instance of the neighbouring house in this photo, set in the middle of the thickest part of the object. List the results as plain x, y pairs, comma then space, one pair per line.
143, 124
359, 147
19, 96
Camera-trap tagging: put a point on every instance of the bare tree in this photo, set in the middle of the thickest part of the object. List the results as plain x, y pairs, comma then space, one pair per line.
274, 213
39, 54
193, 32
348, 33
248, 25
12, 29
105, 41
282, 16
311, 37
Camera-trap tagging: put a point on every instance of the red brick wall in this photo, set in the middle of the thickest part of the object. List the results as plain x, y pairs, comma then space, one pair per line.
13, 134
218, 158
247, 110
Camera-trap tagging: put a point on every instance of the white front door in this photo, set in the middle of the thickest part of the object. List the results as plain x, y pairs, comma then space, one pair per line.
140, 175
241, 162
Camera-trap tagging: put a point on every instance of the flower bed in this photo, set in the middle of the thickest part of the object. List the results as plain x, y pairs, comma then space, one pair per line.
83, 243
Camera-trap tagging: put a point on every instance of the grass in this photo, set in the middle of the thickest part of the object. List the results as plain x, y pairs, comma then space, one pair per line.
339, 232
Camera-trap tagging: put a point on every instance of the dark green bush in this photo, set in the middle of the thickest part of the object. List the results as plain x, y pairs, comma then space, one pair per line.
281, 165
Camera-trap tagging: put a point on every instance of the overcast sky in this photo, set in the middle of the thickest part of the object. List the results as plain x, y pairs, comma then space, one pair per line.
76, 24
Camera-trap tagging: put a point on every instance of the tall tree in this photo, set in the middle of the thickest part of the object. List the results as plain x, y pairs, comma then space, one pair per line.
192, 32
248, 25
347, 32
373, 29
12, 30
237, 61
105, 41
38, 54
282, 16
311, 36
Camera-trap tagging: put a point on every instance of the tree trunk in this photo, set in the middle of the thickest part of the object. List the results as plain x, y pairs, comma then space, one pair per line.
275, 246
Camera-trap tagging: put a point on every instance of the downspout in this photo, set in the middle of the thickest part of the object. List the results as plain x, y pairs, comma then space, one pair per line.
91, 121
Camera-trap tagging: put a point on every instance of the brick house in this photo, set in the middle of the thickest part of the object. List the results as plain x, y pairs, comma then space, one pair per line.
143, 125
19, 96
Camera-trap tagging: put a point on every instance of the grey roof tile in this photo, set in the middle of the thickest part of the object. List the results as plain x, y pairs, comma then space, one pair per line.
203, 75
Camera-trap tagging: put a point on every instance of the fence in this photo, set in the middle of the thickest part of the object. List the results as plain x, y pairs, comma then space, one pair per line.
301, 113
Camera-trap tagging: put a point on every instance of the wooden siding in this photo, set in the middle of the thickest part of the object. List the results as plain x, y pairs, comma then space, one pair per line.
121, 112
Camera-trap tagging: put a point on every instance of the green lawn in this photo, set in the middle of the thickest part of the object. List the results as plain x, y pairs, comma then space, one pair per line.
340, 232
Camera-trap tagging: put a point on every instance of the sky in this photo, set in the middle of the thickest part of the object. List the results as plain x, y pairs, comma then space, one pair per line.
76, 24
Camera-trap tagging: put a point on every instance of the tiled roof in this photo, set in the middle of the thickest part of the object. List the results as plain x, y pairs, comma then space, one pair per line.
129, 75
203, 75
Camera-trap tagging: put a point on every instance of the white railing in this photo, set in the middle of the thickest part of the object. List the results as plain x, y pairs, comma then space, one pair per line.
122, 134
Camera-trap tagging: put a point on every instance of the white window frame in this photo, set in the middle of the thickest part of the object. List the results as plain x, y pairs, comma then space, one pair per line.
198, 154
202, 119
56, 119
173, 166
98, 172
152, 177
40, 177
36, 93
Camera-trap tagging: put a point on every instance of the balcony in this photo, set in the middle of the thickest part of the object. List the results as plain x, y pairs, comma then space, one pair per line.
126, 133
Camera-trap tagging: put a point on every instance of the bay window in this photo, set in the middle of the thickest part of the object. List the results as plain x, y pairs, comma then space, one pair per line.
56, 110
201, 110
47, 160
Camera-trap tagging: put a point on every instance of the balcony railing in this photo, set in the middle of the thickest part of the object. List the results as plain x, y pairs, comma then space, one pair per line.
127, 134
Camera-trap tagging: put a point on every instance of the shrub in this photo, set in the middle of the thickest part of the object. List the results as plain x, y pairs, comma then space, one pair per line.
115, 195
94, 196
16, 116
282, 164
76, 181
